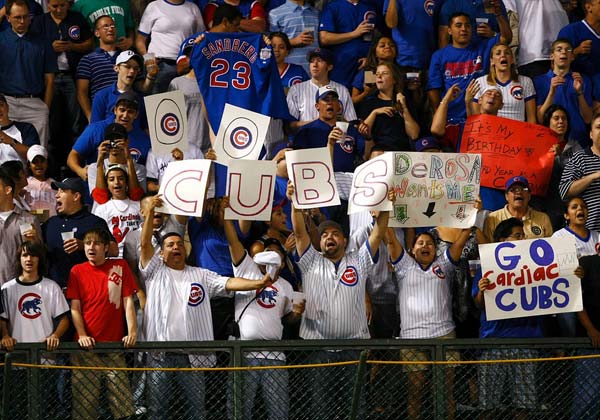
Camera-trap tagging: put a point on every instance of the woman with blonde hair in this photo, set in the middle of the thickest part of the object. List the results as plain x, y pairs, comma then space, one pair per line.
518, 92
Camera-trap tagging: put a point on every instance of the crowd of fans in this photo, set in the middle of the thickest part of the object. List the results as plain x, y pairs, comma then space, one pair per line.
404, 75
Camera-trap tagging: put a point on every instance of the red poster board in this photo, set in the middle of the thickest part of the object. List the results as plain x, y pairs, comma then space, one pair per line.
510, 148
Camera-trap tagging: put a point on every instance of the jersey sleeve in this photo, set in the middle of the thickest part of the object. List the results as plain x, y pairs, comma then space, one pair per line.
99, 105
29, 134
209, 13
292, 101
258, 11
84, 70
84, 145
147, 21
328, 19
128, 287
59, 303
435, 80
215, 284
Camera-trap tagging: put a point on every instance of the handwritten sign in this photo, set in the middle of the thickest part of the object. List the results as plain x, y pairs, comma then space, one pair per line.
241, 134
167, 121
435, 189
184, 186
250, 186
510, 148
531, 277
311, 173
370, 185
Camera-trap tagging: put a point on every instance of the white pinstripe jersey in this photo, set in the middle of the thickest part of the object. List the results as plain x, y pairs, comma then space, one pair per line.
335, 296
585, 246
178, 302
424, 297
262, 318
301, 101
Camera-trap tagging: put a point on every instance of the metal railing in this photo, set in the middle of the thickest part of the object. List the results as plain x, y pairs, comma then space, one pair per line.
302, 379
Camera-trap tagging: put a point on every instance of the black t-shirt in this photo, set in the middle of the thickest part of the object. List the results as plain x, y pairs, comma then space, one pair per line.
387, 130
590, 288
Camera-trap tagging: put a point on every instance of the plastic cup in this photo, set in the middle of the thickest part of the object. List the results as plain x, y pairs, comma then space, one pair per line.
149, 57
298, 297
474, 266
67, 235
342, 125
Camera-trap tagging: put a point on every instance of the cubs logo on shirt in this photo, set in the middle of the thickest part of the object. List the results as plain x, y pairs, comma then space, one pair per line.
29, 305
348, 144
428, 6
75, 32
266, 297
437, 270
349, 277
517, 92
197, 294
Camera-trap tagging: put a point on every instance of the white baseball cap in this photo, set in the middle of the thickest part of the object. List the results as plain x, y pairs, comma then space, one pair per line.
36, 150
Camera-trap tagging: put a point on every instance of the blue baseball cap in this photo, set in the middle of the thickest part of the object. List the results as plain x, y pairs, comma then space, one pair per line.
517, 180
427, 143
321, 53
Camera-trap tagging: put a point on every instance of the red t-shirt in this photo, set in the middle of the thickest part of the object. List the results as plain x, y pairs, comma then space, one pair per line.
101, 291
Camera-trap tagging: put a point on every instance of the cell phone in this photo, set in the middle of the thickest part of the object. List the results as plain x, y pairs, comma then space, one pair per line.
369, 77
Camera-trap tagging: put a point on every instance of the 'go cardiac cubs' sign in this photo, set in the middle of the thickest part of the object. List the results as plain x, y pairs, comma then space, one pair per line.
530, 277
241, 134
167, 121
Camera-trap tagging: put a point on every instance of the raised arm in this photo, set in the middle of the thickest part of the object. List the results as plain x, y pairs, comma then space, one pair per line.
147, 250
300, 232
457, 246
381, 225
393, 244
239, 284
236, 249
440, 118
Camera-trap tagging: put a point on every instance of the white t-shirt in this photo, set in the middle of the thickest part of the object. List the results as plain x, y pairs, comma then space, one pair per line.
157, 164
169, 25
122, 217
514, 96
30, 308
585, 246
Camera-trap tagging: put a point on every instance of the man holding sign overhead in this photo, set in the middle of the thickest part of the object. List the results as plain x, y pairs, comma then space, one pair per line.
334, 283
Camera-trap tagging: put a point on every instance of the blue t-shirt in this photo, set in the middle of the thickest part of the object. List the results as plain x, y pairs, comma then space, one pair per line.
314, 134
342, 16
414, 33
104, 102
88, 142
566, 96
239, 69
527, 327
473, 8
452, 65
588, 64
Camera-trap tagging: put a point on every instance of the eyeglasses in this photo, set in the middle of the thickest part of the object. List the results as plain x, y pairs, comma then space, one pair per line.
106, 27
518, 189
563, 49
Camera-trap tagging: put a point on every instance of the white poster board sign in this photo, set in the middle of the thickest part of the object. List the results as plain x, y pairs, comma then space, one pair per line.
530, 277
311, 173
167, 122
184, 186
250, 187
241, 134
435, 189
370, 185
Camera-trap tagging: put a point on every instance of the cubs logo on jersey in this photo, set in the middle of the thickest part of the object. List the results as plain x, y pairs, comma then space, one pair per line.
349, 277
428, 6
437, 270
74, 32
266, 297
30, 305
517, 92
197, 294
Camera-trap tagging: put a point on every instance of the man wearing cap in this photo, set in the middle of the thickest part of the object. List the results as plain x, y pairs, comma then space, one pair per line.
15, 137
13, 221
349, 145
334, 283
85, 148
128, 66
301, 96
26, 70
73, 217
118, 139
536, 224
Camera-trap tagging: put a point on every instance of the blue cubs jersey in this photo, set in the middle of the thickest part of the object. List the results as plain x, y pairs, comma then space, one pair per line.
239, 69
293, 74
